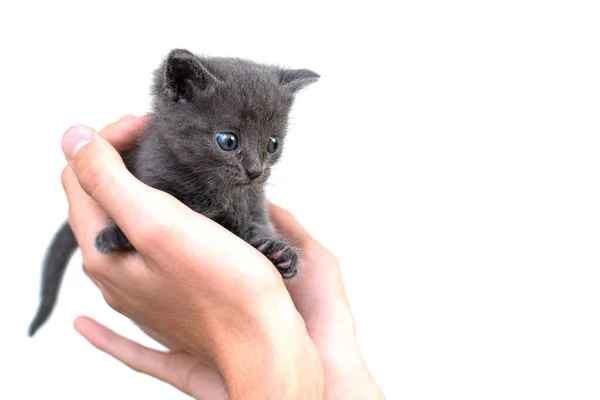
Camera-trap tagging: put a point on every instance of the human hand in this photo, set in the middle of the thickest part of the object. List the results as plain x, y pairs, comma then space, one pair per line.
192, 281
319, 295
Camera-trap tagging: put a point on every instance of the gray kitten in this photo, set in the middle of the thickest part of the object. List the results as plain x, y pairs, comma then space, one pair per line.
217, 128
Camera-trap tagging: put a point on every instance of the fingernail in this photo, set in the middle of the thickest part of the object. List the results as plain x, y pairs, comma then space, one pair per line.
75, 138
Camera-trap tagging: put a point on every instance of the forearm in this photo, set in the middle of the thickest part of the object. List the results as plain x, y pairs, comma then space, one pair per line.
292, 371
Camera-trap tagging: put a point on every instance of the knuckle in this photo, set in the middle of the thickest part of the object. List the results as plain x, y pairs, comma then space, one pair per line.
113, 302
91, 264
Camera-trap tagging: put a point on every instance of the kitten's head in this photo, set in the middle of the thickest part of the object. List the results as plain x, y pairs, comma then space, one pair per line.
226, 117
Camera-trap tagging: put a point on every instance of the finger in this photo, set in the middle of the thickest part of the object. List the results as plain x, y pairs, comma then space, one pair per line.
182, 371
102, 174
127, 117
287, 224
318, 290
145, 215
123, 133
86, 218
134, 355
317, 261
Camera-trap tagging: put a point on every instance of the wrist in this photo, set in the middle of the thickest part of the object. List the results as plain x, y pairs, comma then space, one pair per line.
272, 357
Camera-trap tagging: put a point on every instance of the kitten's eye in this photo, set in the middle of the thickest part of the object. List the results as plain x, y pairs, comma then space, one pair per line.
273, 144
227, 141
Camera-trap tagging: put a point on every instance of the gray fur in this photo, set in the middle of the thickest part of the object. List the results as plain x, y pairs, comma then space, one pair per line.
195, 98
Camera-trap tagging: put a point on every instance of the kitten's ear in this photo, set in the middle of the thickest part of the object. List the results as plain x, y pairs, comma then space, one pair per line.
185, 77
296, 79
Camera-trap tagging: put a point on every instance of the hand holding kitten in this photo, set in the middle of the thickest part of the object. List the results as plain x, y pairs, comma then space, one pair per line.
191, 280
176, 301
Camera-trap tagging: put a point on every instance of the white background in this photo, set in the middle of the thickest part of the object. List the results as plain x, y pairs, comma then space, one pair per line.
450, 156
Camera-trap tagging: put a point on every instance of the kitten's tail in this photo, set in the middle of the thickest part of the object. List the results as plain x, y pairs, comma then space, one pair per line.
55, 263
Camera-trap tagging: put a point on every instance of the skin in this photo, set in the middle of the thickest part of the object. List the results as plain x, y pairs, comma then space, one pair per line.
235, 330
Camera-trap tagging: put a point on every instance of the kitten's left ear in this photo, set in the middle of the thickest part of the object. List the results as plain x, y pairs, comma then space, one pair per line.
296, 79
185, 76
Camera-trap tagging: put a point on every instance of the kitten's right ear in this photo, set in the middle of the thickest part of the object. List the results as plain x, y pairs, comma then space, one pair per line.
185, 77
296, 79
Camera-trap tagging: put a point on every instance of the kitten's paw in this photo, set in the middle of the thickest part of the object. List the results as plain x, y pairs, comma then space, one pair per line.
112, 239
281, 254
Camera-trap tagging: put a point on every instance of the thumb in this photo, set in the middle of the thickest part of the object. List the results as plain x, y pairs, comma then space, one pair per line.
104, 177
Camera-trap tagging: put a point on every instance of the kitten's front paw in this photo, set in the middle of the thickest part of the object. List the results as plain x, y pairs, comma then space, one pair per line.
112, 239
281, 254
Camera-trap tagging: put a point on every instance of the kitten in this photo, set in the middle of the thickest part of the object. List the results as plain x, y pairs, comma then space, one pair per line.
218, 126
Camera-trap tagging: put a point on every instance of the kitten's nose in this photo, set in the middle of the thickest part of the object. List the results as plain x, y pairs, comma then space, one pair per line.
254, 172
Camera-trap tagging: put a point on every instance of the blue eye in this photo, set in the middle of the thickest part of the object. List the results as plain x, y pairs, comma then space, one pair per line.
273, 144
227, 141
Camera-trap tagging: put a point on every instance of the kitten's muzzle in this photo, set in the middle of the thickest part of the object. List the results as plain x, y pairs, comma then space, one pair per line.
254, 172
